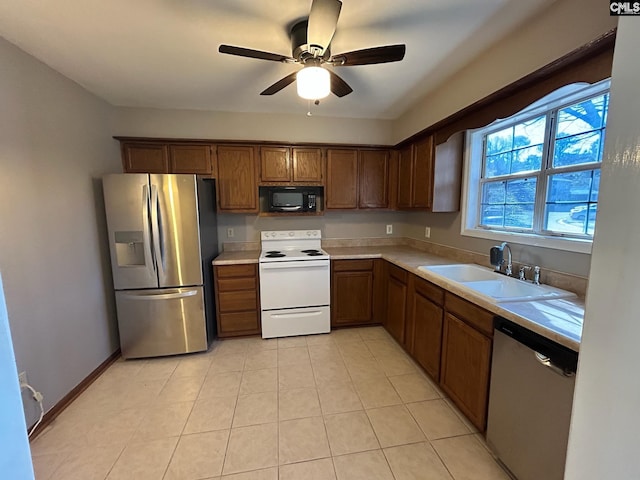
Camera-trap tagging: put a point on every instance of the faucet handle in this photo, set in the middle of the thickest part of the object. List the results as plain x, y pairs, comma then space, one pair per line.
536, 275
523, 268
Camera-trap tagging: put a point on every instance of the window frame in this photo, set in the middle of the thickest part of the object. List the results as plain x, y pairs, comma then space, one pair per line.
474, 165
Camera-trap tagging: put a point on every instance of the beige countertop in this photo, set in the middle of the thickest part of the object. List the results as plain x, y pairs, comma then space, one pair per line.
234, 258
558, 320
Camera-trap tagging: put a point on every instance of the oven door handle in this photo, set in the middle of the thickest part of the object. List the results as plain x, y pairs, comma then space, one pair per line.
295, 264
313, 313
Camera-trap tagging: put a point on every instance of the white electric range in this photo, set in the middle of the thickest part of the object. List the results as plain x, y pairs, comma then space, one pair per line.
294, 284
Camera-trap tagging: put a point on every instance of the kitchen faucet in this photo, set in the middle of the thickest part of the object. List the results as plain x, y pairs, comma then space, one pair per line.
497, 258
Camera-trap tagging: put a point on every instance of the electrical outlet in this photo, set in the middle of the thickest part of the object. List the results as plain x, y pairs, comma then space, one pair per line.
389, 229
230, 232
22, 377
427, 232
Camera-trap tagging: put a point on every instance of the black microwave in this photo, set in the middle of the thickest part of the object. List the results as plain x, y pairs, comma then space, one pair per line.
292, 199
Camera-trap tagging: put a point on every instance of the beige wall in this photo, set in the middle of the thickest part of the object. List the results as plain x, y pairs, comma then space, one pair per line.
149, 122
348, 224
554, 33
564, 26
54, 146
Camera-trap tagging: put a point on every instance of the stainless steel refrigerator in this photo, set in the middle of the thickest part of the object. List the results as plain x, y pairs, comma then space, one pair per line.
162, 238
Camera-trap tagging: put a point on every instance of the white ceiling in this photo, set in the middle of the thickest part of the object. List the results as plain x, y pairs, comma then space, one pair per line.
163, 53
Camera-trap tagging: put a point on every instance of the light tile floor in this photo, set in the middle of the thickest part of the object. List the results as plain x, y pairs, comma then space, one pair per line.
345, 406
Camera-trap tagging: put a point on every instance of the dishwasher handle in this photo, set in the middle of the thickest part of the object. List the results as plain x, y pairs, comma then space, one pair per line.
546, 361
548, 352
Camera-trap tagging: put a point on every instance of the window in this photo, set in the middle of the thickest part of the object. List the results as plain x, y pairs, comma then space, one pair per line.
536, 175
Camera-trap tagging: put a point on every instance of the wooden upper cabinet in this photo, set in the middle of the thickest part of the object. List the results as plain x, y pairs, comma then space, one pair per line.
237, 186
342, 179
193, 159
307, 165
422, 173
415, 167
447, 174
405, 177
275, 164
145, 158
285, 164
428, 176
373, 179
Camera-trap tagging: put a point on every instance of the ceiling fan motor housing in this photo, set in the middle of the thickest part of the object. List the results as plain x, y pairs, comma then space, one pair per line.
300, 47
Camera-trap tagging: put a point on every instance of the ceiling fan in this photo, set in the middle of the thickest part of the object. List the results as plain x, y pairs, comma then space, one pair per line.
310, 43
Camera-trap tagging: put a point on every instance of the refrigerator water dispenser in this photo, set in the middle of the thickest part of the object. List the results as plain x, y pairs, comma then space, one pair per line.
129, 248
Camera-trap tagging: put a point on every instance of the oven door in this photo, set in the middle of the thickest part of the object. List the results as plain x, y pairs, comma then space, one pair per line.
303, 283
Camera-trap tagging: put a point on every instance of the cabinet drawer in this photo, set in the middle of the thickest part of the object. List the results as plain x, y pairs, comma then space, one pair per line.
429, 290
242, 270
397, 273
352, 265
235, 284
237, 301
241, 323
473, 315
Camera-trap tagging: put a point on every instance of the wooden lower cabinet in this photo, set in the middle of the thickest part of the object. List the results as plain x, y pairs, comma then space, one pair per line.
424, 324
237, 300
352, 290
466, 365
396, 302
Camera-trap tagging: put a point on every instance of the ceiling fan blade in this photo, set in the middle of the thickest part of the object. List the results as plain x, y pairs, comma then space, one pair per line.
339, 87
247, 52
280, 84
323, 19
369, 56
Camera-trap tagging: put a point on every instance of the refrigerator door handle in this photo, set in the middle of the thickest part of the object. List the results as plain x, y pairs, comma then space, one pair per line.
148, 256
160, 296
155, 226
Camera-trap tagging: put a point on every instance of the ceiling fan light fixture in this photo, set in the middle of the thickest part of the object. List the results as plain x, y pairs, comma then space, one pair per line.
313, 83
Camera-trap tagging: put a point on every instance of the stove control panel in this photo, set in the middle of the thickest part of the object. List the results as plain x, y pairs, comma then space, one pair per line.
290, 234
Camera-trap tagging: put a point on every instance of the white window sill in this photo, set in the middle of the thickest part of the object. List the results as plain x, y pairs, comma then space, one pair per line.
558, 243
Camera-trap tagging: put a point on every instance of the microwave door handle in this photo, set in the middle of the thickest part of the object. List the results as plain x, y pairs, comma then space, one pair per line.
290, 209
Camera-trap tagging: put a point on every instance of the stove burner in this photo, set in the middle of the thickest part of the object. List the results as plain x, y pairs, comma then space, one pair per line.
314, 254
313, 250
274, 255
273, 251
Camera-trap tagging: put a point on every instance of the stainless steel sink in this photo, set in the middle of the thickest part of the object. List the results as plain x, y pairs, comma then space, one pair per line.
494, 286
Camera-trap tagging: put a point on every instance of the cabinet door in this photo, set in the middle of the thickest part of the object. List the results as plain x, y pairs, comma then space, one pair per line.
405, 175
427, 334
466, 362
195, 159
342, 179
237, 188
275, 164
145, 158
396, 308
422, 173
352, 298
237, 300
307, 165
373, 179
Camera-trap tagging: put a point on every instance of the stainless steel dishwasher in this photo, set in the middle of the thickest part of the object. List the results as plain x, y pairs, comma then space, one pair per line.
530, 400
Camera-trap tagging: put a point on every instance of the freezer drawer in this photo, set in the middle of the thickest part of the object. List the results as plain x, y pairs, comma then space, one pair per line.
161, 322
